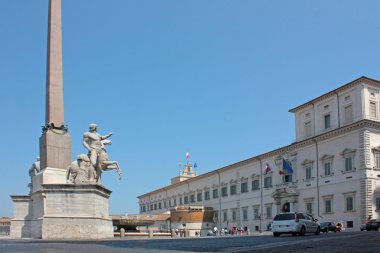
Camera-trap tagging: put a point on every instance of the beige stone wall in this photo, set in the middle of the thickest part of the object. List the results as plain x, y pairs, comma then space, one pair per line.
192, 216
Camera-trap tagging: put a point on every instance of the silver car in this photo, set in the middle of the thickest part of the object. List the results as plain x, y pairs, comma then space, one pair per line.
295, 223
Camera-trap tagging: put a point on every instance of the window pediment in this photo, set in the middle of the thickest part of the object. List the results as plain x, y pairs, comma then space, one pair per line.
254, 176
243, 179
307, 163
347, 151
327, 157
376, 149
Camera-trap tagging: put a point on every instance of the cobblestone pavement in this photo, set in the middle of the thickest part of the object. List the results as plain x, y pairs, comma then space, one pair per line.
331, 242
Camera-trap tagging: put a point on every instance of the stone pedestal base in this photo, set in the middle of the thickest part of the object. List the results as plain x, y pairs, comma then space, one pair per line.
63, 211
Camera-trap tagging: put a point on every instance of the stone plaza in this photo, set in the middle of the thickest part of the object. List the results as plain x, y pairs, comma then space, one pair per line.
331, 242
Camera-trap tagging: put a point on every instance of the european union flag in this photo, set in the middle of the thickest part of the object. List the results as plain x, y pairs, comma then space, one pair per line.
195, 165
286, 166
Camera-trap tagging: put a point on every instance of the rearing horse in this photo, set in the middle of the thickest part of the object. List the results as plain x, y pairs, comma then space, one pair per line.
104, 163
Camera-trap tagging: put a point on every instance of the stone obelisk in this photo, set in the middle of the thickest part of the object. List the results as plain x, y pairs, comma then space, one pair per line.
55, 208
55, 143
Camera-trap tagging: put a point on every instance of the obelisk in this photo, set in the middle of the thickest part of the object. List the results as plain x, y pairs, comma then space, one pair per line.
55, 208
55, 143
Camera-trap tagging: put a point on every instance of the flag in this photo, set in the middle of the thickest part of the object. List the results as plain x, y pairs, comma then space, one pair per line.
195, 165
267, 168
187, 155
286, 166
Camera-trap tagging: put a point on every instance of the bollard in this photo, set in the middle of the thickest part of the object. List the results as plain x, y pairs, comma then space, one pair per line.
122, 232
172, 234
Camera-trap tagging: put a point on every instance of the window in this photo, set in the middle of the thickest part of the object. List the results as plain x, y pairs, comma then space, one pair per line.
327, 121
256, 215
159, 206
288, 177
327, 162
377, 203
186, 200
308, 173
175, 202
350, 224
192, 198
224, 191
309, 207
165, 204
348, 163
170, 202
180, 201
199, 196
372, 109
255, 184
377, 160
245, 213
269, 212
155, 206
233, 189
350, 203
327, 166
215, 194
308, 128
234, 215
328, 205
244, 187
207, 195
348, 113
225, 215
267, 182
216, 216
348, 160
151, 207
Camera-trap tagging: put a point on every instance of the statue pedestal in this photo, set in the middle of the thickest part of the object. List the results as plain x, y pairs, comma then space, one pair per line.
63, 211
55, 150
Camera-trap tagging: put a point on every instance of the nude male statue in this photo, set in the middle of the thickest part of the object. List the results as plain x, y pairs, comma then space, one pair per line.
35, 167
92, 141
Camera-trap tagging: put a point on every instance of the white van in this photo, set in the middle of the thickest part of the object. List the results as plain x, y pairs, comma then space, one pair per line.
295, 223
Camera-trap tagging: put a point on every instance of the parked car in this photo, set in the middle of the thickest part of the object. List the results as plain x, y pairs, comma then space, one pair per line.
373, 224
295, 223
328, 226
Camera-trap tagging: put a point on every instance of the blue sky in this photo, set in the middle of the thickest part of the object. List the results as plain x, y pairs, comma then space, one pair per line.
212, 78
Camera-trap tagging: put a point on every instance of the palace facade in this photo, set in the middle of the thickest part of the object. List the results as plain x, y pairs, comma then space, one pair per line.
335, 163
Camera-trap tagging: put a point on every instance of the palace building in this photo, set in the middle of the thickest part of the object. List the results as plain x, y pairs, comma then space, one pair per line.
331, 170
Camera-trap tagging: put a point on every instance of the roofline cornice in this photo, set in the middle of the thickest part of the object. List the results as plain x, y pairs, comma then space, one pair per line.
334, 92
280, 151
